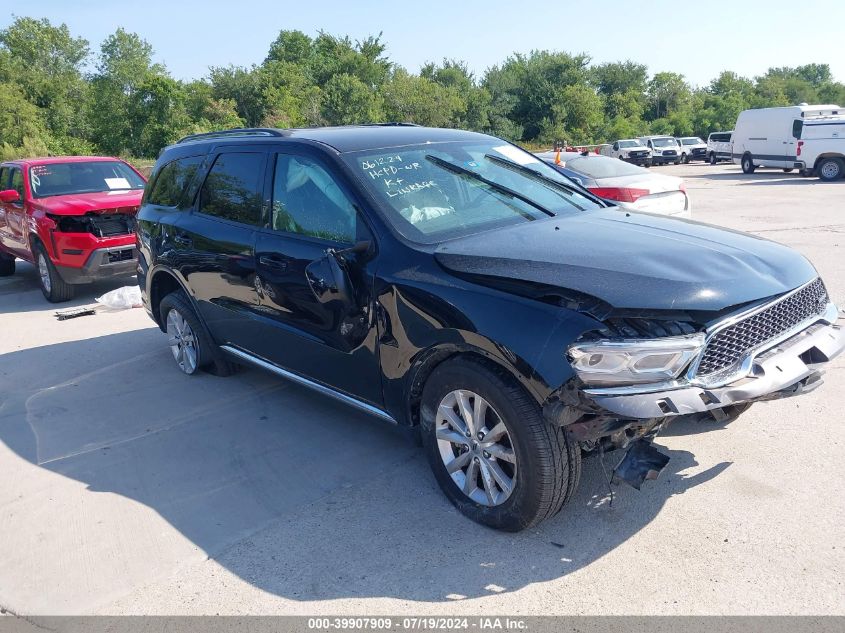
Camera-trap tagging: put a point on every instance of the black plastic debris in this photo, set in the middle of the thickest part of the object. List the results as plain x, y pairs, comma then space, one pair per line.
641, 462
64, 315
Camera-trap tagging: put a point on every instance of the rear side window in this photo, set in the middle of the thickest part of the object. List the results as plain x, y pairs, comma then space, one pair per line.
169, 187
797, 128
232, 189
4, 178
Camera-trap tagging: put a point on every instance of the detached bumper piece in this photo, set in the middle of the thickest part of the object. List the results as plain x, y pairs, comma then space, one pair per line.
786, 369
641, 462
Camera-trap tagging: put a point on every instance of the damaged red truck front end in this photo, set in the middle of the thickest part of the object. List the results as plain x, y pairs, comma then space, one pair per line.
72, 217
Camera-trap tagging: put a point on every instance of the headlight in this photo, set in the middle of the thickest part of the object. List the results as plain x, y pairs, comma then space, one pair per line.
634, 360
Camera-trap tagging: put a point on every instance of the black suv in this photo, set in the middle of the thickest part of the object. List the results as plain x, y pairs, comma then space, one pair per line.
452, 282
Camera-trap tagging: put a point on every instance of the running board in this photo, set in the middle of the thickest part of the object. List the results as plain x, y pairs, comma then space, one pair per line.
305, 382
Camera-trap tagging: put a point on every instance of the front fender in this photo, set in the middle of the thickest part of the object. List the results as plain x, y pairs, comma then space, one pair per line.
420, 326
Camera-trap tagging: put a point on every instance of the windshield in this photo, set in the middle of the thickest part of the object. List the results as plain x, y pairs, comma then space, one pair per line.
691, 141
603, 167
664, 142
59, 179
437, 191
630, 144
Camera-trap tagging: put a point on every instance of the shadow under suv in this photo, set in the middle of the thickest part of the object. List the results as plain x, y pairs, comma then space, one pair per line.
453, 283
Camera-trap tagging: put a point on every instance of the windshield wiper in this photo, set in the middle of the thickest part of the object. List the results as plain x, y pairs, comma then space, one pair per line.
533, 175
468, 173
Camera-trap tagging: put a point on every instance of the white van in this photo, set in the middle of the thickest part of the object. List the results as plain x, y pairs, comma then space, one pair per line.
810, 138
719, 146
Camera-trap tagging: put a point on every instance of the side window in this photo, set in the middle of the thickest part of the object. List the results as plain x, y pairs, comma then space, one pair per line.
232, 189
4, 178
308, 201
16, 181
169, 186
797, 128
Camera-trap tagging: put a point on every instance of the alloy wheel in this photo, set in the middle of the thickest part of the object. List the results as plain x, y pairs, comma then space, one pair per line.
44, 273
183, 342
476, 448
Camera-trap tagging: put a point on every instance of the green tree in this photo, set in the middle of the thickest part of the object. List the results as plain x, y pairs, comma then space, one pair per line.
348, 100
125, 63
46, 62
666, 92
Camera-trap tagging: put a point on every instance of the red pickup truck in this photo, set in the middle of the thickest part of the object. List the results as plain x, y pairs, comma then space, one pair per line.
71, 216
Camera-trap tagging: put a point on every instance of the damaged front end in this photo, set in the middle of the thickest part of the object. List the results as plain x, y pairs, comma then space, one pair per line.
99, 224
628, 390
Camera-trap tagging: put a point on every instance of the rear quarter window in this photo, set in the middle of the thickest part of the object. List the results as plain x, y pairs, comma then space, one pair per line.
172, 180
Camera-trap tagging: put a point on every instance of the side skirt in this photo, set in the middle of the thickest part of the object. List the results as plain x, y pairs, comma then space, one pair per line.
316, 386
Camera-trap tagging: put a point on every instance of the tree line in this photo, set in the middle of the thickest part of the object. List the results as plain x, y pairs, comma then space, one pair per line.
58, 96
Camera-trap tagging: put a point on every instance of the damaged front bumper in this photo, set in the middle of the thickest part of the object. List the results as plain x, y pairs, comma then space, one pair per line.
785, 369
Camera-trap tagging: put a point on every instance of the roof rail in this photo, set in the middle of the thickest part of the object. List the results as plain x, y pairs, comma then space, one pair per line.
240, 131
393, 123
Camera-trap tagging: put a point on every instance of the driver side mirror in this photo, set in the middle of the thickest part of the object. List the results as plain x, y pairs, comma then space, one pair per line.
9, 195
328, 278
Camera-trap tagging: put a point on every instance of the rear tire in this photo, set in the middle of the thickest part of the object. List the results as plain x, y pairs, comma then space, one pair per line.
539, 461
53, 287
830, 169
7, 265
787, 170
748, 166
190, 342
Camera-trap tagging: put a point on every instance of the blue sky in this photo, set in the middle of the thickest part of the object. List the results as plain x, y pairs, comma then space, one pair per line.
695, 38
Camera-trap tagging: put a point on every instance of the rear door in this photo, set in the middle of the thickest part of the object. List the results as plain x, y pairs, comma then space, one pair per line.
214, 243
314, 209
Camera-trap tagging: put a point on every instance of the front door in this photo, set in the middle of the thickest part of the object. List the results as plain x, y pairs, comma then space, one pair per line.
312, 211
14, 235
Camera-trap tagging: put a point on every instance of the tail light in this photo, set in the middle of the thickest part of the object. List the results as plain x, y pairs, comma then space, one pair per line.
620, 194
798, 150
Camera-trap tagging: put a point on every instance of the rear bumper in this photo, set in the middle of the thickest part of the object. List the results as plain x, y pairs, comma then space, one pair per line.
786, 369
102, 263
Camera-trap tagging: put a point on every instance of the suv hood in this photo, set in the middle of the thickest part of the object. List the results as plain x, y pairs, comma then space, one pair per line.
632, 261
82, 203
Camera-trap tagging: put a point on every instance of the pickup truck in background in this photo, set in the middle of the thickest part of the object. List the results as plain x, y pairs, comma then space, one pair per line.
630, 150
71, 216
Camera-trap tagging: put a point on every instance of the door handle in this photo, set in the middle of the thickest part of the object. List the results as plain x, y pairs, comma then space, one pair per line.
183, 240
271, 261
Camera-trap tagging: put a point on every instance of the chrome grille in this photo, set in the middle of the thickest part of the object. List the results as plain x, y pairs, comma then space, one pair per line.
729, 346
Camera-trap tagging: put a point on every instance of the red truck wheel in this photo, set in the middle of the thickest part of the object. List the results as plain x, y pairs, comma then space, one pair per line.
53, 287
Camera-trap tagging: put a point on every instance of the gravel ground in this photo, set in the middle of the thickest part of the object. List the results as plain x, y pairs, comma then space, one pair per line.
131, 489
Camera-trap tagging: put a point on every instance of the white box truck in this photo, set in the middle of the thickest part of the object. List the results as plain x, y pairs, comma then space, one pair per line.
810, 138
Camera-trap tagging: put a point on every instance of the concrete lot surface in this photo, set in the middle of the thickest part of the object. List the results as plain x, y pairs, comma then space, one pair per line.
128, 488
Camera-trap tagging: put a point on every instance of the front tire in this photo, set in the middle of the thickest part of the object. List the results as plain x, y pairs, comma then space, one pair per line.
748, 166
713, 158
493, 454
787, 170
684, 158
53, 287
830, 169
